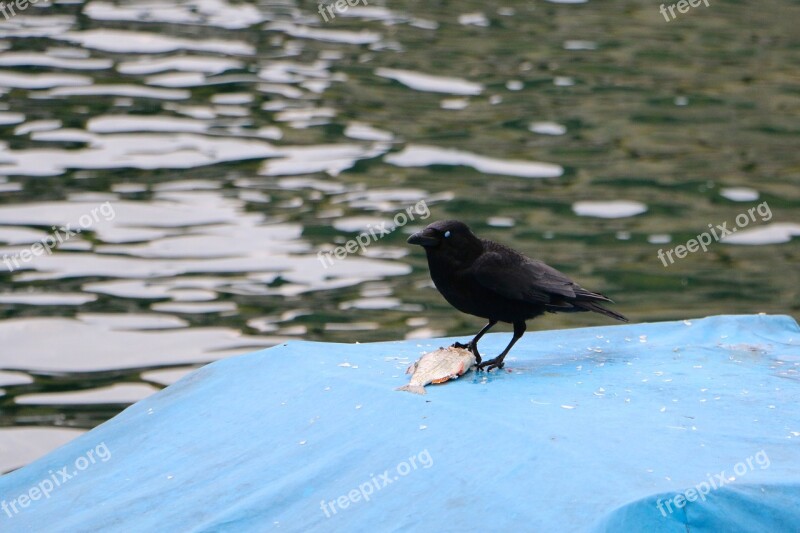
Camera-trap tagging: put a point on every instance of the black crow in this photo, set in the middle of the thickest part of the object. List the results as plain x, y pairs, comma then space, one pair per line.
492, 281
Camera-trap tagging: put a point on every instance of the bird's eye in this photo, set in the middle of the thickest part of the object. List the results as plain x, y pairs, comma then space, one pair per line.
446, 234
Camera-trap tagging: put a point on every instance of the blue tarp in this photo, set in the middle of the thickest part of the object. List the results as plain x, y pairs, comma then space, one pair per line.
679, 426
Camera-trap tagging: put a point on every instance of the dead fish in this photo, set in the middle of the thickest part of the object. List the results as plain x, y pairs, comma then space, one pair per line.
437, 367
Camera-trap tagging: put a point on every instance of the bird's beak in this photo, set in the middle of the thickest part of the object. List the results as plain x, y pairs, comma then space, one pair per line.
423, 238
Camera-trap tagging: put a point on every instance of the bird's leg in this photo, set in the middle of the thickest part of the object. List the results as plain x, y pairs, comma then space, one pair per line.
473, 344
497, 362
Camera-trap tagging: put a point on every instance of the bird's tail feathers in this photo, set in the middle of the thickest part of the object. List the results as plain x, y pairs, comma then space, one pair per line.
597, 308
583, 294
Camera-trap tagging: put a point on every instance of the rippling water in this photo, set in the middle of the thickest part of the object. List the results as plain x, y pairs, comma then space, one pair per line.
208, 151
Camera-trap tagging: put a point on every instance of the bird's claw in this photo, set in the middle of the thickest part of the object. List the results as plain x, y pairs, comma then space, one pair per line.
490, 365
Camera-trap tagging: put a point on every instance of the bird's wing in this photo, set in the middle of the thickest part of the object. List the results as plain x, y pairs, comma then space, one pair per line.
517, 277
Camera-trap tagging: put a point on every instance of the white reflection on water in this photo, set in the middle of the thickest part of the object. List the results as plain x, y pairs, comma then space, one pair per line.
423, 156
166, 377
609, 209
428, 82
772, 234
117, 393
332, 36
127, 123
332, 159
19, 446
69, 345
198, 12
153, 65
124, 41
42, 298
14, 378
739, 194
26, 59
35, 25
8, 119
16, 80
132, 91
143, 151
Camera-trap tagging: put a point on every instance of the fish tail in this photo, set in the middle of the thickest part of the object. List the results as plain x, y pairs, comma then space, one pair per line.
416, 389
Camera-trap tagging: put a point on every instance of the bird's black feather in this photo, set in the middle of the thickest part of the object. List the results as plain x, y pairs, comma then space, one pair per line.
493, 281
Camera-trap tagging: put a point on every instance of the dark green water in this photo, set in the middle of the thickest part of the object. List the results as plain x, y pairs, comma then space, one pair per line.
233, 142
